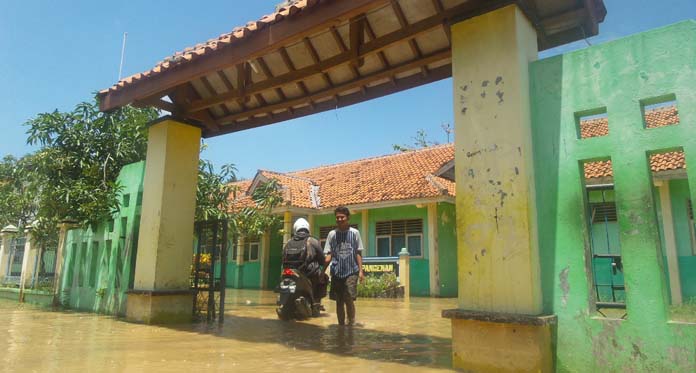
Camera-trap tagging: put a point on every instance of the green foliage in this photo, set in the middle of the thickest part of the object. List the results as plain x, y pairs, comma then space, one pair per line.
420, 140
213, 191
81, 154
18, 204
253, 221
215, 196
383, 286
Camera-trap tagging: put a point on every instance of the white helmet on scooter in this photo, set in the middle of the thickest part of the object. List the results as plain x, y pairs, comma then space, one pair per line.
300, 223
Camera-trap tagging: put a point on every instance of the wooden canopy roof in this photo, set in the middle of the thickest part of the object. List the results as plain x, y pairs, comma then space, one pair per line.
317, 55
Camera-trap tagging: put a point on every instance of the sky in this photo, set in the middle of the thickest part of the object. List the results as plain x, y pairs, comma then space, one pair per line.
57, 54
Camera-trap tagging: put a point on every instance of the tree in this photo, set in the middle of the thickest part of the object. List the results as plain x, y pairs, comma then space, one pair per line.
82, 153
420, 140
18, 205
254, 221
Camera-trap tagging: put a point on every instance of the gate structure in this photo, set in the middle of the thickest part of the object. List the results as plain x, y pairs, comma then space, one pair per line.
208, 275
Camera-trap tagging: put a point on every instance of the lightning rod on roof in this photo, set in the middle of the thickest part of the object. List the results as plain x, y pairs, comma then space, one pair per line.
123, 53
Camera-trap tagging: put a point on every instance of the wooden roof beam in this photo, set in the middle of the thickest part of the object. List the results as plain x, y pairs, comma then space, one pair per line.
416, 80
186, 93
258, 44
356, 30
342, 47
401, 17
269, 75
373, 46
434, 57
291, 67
315, 58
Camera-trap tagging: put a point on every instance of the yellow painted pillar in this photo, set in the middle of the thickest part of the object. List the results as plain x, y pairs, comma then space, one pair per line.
265, 255
498, 259
364, 230
240, 262
162, 291
287, 227
6, 236
433, 250
670, 243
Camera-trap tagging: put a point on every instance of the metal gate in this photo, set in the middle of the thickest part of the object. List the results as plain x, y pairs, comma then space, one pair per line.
209, 270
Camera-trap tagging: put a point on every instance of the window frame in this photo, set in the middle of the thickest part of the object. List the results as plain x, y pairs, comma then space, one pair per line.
247, 251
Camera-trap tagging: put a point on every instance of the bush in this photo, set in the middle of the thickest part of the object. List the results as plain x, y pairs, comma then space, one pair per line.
384, 286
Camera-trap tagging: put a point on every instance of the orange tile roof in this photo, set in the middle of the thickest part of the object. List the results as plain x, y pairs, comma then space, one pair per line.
199, 50
665, 116
396, 177
654, 118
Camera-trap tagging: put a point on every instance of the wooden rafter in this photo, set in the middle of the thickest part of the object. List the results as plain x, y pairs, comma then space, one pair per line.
329, 92
436, 74
315, 58
230, 88
187, 93
342, 47
373, 46
258, 44
356, 32
403, 22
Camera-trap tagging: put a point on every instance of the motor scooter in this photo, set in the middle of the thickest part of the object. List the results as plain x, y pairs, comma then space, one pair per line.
296, 298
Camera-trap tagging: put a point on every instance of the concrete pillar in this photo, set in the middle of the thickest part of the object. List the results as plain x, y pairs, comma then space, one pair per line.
670, 243
287, 227
63, 229
161, 292
29, 264
498, 259
239, 262
6, 236
405, 272
433, 250
265, 255
364, 231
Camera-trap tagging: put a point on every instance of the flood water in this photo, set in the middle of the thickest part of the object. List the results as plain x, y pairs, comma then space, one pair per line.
391, 335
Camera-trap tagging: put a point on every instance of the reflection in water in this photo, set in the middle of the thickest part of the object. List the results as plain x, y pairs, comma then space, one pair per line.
392, 335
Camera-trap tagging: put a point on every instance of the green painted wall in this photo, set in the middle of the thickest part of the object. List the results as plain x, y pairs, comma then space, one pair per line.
420, 280
447, 241
615, 76
420, 271
99, 260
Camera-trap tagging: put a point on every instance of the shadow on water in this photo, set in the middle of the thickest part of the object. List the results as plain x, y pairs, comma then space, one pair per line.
412, 349
387, 335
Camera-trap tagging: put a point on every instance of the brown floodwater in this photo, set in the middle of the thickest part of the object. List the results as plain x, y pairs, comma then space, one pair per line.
391, 335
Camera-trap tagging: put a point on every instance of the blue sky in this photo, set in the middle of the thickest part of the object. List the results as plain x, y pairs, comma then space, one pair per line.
56, 54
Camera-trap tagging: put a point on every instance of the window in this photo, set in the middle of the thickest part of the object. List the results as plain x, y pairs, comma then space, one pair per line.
324, 232
605, 250
592, 123
251, 251
660, 111
394, 235
126, 200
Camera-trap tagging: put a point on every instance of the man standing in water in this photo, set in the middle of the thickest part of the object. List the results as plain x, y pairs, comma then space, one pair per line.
343, 250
